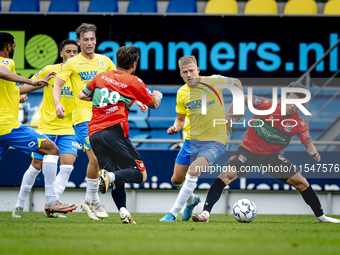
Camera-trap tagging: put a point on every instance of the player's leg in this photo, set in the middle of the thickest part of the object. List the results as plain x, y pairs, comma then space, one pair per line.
91, 196
290, 175
26, 184
309, 196
179, 173
29, 140
67, 145
122, 164
225, 178
208, 152
182, 164
49, 167
178, 179
233, 169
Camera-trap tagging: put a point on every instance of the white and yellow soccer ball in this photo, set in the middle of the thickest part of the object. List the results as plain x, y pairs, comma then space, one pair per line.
244, 210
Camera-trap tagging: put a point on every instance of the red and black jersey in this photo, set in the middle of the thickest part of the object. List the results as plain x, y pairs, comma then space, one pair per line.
113, 94
272, 133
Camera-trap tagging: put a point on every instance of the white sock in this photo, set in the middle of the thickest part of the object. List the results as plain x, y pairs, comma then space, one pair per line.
50, 173
26, 185
191, 199
92, 191
112, 177
62, 179
123, 210
186, 191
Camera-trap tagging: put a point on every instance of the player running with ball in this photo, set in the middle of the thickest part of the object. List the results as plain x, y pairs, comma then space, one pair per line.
262, 145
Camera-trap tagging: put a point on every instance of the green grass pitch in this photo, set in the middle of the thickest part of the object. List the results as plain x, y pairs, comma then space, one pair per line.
267, 234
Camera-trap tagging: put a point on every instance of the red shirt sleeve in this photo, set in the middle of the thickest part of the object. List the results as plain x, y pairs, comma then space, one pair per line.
303, 132
89, 88
142, 94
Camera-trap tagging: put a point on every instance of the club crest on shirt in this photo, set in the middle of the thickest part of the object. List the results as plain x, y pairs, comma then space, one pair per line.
288, 128
100, 64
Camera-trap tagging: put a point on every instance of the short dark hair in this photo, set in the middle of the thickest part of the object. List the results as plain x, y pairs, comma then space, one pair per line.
67, 42
126, 56
85, 27
5, 39
296, 84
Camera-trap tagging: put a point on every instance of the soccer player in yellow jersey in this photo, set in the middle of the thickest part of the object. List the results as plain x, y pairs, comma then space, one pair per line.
22, 137
80, 70
60, 131
204, 142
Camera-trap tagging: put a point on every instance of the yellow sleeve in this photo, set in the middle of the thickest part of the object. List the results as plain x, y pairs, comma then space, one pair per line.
111, 66
66, 71
41, 74
180, 107
9, 63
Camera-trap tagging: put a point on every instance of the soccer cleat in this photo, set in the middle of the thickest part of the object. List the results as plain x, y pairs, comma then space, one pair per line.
189, 208
17, 212
86, 207
126, 219
99, 211
200, 217
325, 219
104, 181
59, 207
169, 217
54, 215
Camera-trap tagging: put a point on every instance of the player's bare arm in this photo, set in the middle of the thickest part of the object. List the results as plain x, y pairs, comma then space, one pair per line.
178, 125
238, 84
311, 150
143, 107
83, 96
27, 88
158, 97
59, 108
6, 74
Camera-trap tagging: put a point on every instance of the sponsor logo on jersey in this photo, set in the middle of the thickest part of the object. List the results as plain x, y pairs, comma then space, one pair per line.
31, 144
257, 100
242, 158
111, 109
114, 82
282, 158
66, 91
5, 62
87, 76
305, 134
140, 165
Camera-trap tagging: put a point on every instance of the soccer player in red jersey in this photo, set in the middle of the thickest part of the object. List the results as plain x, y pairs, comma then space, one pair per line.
264, 140
113, 93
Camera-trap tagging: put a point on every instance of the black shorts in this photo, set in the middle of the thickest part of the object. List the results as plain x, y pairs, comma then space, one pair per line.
114, 151
244, 161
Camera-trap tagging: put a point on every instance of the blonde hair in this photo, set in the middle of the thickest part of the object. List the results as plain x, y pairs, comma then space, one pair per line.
187, 60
